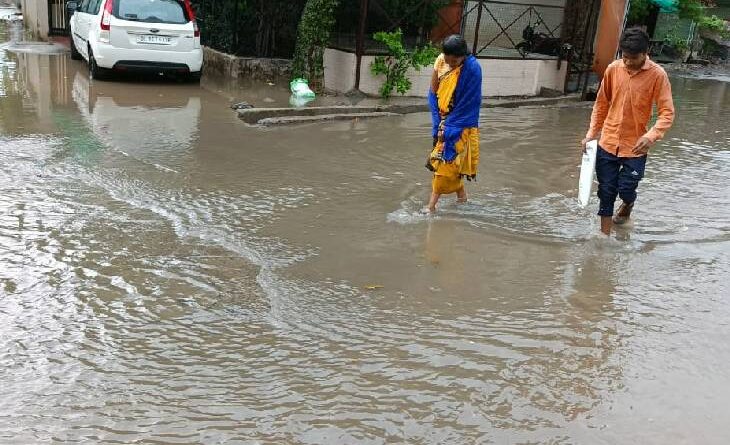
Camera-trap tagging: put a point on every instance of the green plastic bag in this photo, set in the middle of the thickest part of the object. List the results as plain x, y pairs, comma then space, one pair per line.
300, 89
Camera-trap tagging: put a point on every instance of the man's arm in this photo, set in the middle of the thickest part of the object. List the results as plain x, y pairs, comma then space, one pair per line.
600, 108
665, 111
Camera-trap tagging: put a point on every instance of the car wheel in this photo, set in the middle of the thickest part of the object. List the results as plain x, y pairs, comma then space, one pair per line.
95, 71
75, 54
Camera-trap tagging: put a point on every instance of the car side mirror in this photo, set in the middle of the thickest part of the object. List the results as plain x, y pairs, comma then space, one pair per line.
72, 6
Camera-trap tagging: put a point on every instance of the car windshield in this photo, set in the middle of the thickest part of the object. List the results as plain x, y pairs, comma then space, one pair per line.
150, 11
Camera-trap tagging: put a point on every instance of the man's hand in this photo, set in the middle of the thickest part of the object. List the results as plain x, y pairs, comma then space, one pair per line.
642, 146
583, 144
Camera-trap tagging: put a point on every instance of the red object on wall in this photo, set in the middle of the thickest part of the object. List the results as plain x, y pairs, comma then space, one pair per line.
610, 27
449, 21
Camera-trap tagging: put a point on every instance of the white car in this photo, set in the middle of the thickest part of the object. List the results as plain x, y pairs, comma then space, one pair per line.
159, 36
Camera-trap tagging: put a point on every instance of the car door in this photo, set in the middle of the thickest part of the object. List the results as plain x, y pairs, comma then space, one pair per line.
75, 23
93, 18
81, 31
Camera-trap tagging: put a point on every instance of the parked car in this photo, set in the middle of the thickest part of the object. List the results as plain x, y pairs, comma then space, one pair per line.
136, 35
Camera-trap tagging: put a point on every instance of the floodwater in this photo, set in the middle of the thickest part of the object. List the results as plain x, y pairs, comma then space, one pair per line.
171, 276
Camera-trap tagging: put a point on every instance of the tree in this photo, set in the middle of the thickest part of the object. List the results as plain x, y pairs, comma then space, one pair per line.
686, 9
313, 36
639, 12
395, 65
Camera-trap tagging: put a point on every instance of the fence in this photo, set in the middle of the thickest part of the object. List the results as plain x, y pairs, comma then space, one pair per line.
579, 31
357, 22
58, 19
536, 29
521, 30
518, 29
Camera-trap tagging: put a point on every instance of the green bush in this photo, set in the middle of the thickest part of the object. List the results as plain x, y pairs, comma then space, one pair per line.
676, 41
714, 24
686, 9
313, 35
395, 65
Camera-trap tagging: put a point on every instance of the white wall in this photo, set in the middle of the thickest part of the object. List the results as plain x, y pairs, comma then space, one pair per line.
369, 84
550, 76
35, 17
501, 77
504, 77
339, 72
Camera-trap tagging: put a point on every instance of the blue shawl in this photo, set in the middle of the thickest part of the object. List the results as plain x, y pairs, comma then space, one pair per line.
467, 104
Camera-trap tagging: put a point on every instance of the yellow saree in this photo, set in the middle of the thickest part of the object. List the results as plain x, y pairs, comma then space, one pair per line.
448, 176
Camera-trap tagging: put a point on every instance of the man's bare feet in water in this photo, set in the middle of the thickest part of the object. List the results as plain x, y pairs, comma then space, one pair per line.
606, 225
624, 213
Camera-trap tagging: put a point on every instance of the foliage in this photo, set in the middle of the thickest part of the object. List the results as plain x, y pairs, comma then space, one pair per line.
676, 41
414, 13
260, 28
695, 10
313, 35
690, 9
395, 65
714, 24
274, 28
639, 11
275, 23
415, 18
686, 9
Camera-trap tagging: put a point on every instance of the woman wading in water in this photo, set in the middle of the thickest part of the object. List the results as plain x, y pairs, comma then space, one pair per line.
455, 100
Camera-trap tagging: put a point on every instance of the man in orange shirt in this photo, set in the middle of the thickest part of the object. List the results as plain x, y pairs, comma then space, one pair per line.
630, 88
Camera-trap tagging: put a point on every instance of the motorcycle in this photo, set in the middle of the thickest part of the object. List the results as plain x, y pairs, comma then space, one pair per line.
538, 43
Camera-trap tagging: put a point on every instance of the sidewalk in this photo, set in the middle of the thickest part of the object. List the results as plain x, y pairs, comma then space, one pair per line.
371, 107
17, 44
61, 40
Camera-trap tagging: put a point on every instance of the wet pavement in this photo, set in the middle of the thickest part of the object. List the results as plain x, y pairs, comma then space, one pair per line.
170, 275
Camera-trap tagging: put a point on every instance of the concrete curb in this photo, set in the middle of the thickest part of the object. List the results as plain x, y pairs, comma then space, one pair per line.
530, 102
281, 116
47, 48
254, 116
321, 118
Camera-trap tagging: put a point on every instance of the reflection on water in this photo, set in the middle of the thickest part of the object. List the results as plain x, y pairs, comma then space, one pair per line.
170, 275
137, 121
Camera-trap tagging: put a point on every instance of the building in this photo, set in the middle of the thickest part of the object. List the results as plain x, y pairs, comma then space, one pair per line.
44, 18
524, 46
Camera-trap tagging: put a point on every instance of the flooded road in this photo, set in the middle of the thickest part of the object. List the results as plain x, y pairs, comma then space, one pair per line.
169, 275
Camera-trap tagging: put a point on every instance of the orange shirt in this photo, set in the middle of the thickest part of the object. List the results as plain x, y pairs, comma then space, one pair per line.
624, 106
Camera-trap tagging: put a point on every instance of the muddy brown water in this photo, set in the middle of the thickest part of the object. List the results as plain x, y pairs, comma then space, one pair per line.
169, 275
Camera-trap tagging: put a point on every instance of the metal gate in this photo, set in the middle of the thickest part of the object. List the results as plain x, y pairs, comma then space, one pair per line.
514, 29
58, 19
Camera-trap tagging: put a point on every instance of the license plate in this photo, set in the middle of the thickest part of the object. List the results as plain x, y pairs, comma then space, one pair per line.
154, 40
